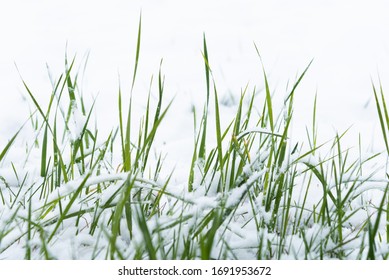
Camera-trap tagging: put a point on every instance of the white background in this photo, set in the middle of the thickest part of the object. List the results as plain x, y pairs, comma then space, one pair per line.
348, 41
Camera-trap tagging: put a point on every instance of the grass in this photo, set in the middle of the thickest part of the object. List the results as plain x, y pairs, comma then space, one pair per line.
255, 194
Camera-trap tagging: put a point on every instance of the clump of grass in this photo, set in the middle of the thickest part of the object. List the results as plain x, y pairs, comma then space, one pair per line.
255, 194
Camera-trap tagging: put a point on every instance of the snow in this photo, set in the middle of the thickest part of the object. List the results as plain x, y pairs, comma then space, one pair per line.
346, 39
78, 122
347, 51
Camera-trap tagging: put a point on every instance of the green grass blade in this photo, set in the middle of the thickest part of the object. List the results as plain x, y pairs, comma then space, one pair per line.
382, 115
8, 146
202, 147
299, 80
268, 94
219, 138
137, 52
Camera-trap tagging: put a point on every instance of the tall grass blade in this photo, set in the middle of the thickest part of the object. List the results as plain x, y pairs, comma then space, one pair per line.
137, 52
202, 147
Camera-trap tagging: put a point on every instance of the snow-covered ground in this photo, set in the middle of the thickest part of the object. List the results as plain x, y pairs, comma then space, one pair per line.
347, 40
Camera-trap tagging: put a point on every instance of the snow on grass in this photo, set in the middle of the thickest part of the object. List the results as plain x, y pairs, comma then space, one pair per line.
249, 192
